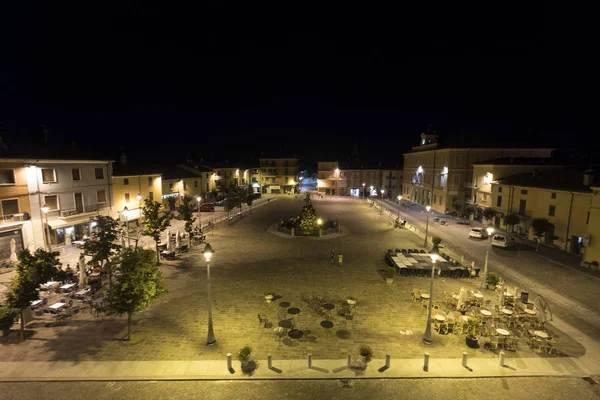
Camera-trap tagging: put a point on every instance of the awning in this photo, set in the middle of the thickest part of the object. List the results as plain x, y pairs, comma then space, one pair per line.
59, 223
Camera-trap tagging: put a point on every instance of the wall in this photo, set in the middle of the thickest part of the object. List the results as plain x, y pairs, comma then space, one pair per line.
592, 251
137, 184
17, 191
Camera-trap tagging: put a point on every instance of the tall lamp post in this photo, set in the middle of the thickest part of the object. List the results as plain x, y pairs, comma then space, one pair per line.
208, 252
45, 210
434, 254
199, 215
381, 208
337, 181
489, 230
427, 226
399, 200
126, 214
363, 191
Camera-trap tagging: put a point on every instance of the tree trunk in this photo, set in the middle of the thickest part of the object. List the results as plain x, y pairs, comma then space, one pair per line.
537, 245
157, 254
128, 327
22, 324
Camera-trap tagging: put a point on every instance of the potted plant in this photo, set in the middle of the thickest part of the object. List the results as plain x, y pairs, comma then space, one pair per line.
366, 353
244, 355
7, 318
389, 275
269, 296
492, 280
351, 300
473, 325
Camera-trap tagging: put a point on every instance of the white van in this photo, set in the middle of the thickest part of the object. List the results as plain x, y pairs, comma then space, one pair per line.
502, 241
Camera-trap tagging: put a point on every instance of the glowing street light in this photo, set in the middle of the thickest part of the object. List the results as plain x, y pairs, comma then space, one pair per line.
337, 181
363, 191
399, 200
381, 208
428, 208
45, 210
434, 254
208, 252
319, 221
489, 230
199, 214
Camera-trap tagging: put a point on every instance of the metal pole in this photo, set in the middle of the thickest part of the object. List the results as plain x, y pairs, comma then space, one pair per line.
127, 230
485, 266
381, 208
427, 337
48, 233
210, 340
426, 230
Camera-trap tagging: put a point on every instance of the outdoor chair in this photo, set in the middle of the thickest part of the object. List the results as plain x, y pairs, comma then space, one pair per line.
410, 251
398, 251
465, 273
422, 252
262, 320
550, 346
416, 294
494, 342
404, 251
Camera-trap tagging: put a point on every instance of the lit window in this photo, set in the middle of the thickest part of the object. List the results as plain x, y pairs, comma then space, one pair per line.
48, 175
51, 202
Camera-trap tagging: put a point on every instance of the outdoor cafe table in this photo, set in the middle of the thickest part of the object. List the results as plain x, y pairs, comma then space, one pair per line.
67, 286
425, 296
35, 303
478, 295
57, 306
439, 317
541, 334
486, 313
506, 311
83, 292
528, 311
50, 284
503, 332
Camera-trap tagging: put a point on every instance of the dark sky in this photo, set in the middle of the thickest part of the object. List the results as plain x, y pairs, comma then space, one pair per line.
227, 80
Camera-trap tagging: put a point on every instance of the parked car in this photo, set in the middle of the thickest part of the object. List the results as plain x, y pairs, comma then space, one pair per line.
502, 241
479, 233
205, 207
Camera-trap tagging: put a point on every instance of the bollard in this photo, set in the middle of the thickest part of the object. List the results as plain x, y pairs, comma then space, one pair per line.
502, 354
269, 361
229, 361
349, 360
387, 360
464, 360
426, 363
472, 264
310, 361
462, 259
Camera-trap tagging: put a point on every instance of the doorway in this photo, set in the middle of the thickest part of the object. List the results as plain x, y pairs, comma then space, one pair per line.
78, 202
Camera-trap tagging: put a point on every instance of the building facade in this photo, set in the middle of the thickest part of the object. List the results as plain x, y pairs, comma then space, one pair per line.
132, 185
279, 175
442, 177
178, 182
591, 241
334, 178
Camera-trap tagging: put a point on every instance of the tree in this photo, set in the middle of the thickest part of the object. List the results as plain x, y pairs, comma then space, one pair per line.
32, 270
489, 213
540, 227
172, 203
233, 198
155, 222
249, 197
137, 284
436, 240
102, 243
185, 212
308, 215
469, 209
512, 220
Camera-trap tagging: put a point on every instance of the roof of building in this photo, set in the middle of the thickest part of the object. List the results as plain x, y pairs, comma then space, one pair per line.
517, 161
49, 151
173, 172
566, 179
133, 169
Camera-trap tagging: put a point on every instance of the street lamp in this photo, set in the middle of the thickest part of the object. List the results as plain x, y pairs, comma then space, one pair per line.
399, 200
363, 191
427, 225
319, 221
45, 210
199, 215
126, 214
381, 208
208, 252
337, 181
489, 230
434, 254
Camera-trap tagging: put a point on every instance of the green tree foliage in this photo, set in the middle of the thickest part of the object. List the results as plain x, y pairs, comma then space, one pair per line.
436, 240
102, 243
171, 203
155, 222
185, 212
7, 317
32, 270
489, 213
308, 215
249, 197
540, 227
137, 284
512, 220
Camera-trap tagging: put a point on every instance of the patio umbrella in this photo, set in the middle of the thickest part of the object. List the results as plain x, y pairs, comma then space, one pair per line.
81, 270
542, 309
13, 250
515, 294
502, 290
177, 239
169, 239
123, 240
462, 298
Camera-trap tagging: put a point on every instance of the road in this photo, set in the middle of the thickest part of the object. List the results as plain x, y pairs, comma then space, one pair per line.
499, 388
572, 293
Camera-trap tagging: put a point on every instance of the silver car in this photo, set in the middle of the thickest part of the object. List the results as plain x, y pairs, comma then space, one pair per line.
479, 233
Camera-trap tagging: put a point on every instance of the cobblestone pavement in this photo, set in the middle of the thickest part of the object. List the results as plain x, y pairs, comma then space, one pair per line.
249, 262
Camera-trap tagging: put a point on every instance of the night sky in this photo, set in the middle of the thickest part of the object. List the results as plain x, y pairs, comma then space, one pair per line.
225, 80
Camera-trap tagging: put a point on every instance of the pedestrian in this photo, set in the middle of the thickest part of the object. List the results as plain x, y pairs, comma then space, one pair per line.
340, 259
331, 256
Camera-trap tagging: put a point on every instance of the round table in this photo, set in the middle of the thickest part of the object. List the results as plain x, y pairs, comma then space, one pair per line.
327, 324
506, 311
503, 332
486, 312
286, 323
424, 296
294, 310
478, 295
284, 304
541, 334
295, 334
465, 317
328, 306
455, 296
530, 312
440, 318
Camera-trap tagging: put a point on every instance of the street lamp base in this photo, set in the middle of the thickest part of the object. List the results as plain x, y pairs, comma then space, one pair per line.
427, 341
211, 343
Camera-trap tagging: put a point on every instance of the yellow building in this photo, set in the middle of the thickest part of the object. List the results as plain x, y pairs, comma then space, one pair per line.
442, 176
15, 210
279, 175
563, 197
178, 182
347, 179
591, 241
132, 184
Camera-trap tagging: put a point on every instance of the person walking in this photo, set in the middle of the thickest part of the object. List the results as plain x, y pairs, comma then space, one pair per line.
331, 256
340, 259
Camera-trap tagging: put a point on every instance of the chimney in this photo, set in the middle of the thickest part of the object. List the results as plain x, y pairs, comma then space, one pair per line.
123, 158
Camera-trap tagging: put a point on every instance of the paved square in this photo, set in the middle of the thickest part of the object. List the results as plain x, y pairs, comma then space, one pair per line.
249, 262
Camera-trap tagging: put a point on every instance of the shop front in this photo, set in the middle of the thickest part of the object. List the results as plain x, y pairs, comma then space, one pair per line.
6, 235
63, 232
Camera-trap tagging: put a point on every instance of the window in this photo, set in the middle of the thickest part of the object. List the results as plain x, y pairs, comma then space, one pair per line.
99, 173
499, 201
126, 181
48, 175
434, 198
7, 177
455, 180
101, 196
522, 206
126, 197
10, 207
459, 159
551, 211
523, 191
499, 189
195, 183
170, 187
184, 185
76, 174
441, 200
149, 181
51, 202
151, 196
553, 195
